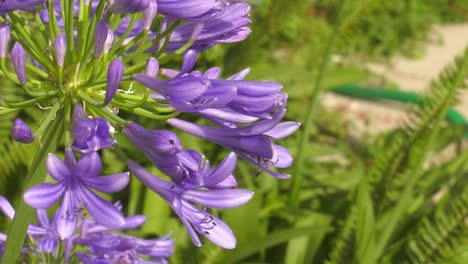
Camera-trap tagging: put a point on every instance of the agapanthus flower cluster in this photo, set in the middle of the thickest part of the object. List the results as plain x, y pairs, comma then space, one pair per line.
91, 67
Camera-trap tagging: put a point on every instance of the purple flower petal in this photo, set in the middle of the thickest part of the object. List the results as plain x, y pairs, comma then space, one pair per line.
223, 171
6, 208
44, 195
89, 165
66, 218
220, 198
283, 130
104, 212
109, 183
57, 168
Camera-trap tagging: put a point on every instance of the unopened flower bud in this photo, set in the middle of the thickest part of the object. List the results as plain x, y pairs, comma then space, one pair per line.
103, 39
18, 58
128, 6
150, 13
152, 67
21, 132
60, 46
114, 77
4, 39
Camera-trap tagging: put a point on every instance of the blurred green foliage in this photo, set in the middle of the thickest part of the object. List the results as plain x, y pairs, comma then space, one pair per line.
363, 199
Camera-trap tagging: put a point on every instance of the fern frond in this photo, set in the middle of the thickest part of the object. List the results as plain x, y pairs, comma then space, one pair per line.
411, 148
14, 157
439, 235
344, 243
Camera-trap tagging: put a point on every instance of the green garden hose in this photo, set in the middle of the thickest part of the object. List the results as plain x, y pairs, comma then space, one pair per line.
372, 93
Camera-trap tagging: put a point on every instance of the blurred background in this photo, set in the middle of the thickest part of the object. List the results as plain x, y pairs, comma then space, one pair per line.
346, 201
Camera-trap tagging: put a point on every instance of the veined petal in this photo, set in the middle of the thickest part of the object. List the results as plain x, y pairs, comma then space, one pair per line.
203, 131
240, 75
211, 227
283, 158
44, 195
89, 165
156, 184
133, 222
183, 88
57, 168
6, 208
103, 212
220, 198
67, 219
224, 170
109, 183
42, 218
229, 183
36, 230
283, 130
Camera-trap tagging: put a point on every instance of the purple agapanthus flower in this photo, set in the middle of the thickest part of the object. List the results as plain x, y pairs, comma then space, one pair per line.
117, 248
7, 6
215, 99
128, 6
190, 9
181, 199
227, 27
44, 233
74, 183
90, 134
252, 142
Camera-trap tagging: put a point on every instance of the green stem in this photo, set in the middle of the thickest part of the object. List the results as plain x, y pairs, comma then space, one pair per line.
304, 137
36, 175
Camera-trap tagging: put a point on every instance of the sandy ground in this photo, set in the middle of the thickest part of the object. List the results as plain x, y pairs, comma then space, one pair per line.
409, 74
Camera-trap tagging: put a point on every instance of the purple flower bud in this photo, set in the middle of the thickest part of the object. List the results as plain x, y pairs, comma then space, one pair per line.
21, 132
60, 46
150, 13
157, 142
152, 67
4, 39
128, 6
103, 39
18, 58
114, 77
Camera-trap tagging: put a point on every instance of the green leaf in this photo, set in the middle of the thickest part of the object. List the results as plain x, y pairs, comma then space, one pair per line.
272, 239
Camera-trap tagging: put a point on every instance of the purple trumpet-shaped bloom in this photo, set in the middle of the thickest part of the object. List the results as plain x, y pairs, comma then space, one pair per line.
114, 77
45, 233
219, 100
253, 142
75, 181
21, 132
165, 152
18, 58
103, 39
117, 248
228, 27
195, 219
7, 6
90, 134
4, 39
202, 94
190, 9
128, 6
60, 46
